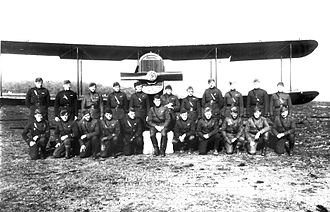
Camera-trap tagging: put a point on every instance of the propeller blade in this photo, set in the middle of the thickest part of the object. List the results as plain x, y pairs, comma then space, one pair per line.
170, 76
133, 76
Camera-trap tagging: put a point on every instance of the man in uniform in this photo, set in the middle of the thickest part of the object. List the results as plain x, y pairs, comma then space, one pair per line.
207, 132
38, 97
36, 134
184, 133
284, 129
213, 98
171, 102
117, 101
257, 97
140, 102
66, 99
132, 133
233, 98
66, 134
233, 131
279, 100
158, 120
93, 101
110, 131
89, 140
192, 105
257, 132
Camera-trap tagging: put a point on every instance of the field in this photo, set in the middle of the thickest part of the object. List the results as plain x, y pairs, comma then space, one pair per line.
178, 182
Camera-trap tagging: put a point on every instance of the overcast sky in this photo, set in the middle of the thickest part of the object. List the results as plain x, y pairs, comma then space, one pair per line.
170, 22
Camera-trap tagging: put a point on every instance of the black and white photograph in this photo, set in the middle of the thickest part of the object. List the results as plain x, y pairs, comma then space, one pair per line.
164, 106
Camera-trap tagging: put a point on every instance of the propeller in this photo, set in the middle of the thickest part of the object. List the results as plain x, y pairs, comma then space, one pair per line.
153, 76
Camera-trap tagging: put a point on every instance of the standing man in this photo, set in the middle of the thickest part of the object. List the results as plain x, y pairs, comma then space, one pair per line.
184, 133
66, 134
36, 134
257, 97
66, 100
233, 98
158, 119
257, 132
117, 102
132, 133
213, 98
171, 102
38, 97
140, 102
93, 102
192, 104
233, 131
279, 100
284, 129
110, 131
207, 132
89, 140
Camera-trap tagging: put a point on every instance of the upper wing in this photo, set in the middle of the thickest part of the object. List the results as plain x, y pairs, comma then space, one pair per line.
237, 51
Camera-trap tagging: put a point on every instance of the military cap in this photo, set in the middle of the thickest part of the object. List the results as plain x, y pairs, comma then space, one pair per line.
115, 84
183, 110
92, 84
256, 80
107, 110
284, 108
66, 82
131, 109
280, 84
37, 111
207, 109
137, 84
190, 87
84, 112
256, 108
157, 96
234, 109
38, 79
210, 80
168, 87
64, 112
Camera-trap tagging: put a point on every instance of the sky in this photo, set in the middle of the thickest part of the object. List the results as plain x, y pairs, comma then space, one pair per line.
148, 23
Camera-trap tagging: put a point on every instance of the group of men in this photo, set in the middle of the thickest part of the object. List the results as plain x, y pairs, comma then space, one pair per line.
116, 127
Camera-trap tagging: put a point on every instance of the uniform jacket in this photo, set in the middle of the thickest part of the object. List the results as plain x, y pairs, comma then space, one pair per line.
234, 98
131, 127
117, 100
66, 100
257, 97
38, 97
192, 105
69, 128
109, 128
205, 126
281, 125
158, 116
279, 100
93, 102
232, 126
213, 98
90, 128
184, 127
140, 102
165, 99
36, 128
253, 126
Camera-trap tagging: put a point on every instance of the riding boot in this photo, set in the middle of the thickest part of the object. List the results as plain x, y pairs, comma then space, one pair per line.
291, 144
287, 148
155, 145
263, 151
67, 152
163, 144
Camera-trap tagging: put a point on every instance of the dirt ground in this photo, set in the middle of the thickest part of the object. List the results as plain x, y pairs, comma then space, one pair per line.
178, 182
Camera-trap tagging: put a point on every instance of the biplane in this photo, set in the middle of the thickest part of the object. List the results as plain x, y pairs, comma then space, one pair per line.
150, 69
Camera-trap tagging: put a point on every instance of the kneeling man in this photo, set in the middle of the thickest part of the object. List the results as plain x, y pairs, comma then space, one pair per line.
233, 131
36, 134
257, 132
66, 133
110, 130
184, 132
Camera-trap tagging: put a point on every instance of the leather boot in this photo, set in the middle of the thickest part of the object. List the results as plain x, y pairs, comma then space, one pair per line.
291, 144
155, 145
263, 151
163, 144
287, 148
67, 152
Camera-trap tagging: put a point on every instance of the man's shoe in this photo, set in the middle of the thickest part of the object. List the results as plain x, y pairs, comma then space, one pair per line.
215, 152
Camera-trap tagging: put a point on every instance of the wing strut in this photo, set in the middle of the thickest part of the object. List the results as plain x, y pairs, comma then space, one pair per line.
0, 72
290, 65
216, 67
78, 77
281, 69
